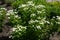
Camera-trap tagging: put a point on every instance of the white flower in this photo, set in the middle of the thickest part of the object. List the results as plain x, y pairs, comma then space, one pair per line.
7, 14
39, 18
58, 22
47, 22
19, 17
32, 25
31, 21
32, 15
30, 2
15, 12
23, 27
8, 17
20, 29
21, 6
20, 26
25, 8
41, 23
36, 21
58, 17
53, 16
39, 12
44, 18
38, 27
16, 16
3, 8
14, 29
10, 36
40, 6
10, 12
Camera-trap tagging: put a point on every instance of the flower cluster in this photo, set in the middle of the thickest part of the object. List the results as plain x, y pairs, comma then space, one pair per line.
14, 19
18, 31
58, 18
19, 28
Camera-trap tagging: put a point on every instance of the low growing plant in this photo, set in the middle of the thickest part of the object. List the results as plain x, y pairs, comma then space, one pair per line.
39, 20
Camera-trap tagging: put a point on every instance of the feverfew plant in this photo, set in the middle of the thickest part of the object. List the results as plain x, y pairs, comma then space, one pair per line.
31, 21
33, 17
38, 20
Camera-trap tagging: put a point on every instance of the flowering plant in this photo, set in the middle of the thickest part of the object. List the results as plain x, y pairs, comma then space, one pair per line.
34, 18
39, 20
31, 21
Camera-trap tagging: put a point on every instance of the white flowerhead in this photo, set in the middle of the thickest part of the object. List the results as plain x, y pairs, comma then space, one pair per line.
3, 8
31, 21
10, 12
58, 17
41, 23
38, 27
21, 6
14, 29
32, 25
32, 15
8, 17
39, 17
39, 12
30, 2
16, 16
36, 21
40, 6
26, 8
7, 14
20, 26
10, 36
53, 16
47, 22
